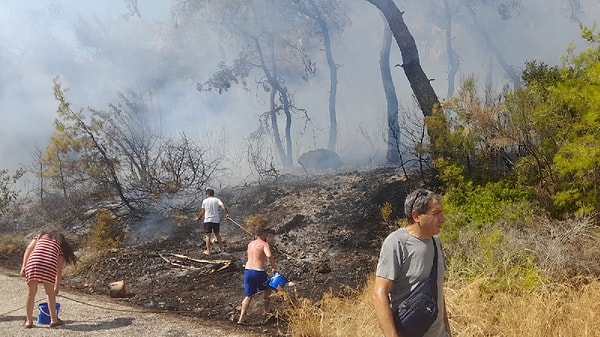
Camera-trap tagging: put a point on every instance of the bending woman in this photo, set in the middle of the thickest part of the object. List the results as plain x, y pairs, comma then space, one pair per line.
43, 262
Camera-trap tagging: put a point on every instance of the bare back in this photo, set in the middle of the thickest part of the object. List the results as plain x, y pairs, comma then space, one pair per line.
258, 253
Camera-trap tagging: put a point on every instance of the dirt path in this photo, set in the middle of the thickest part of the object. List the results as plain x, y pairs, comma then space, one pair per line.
94, 316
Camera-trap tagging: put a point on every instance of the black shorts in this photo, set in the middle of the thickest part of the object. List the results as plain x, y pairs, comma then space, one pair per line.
211, 227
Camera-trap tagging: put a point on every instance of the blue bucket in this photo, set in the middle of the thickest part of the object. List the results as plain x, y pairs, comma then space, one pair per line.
277, 281
44, 315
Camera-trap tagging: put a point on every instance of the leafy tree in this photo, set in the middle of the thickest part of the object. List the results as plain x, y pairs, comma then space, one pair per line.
81, 146
573, 108
68, 161
548, 131
270, 36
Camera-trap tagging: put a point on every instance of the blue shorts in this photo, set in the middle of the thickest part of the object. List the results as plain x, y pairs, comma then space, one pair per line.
255, 280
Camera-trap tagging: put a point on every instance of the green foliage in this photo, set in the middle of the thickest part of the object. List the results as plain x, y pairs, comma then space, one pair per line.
561, 130
7, 193
69, 161
438, 129
480, 206
549, 131
490, 255
506, 270
106, 232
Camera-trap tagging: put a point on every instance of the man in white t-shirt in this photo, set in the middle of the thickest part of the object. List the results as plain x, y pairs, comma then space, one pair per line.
212, 219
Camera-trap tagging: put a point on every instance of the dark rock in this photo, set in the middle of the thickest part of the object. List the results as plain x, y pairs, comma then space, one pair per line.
320, 159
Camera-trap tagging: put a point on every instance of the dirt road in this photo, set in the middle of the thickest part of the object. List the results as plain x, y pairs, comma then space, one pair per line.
97, 316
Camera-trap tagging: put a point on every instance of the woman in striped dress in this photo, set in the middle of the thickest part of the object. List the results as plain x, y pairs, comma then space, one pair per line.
43, 262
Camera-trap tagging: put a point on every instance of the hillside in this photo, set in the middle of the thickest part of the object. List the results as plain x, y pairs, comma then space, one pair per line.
326, 230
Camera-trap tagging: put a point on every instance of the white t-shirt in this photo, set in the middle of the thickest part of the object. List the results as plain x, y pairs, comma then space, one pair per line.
211, 209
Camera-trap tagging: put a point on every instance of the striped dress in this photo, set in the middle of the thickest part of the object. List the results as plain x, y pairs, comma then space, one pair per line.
42, 264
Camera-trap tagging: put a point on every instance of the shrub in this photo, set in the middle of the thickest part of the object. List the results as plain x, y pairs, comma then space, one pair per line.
386, 211
106, 232
11, 244
253, 222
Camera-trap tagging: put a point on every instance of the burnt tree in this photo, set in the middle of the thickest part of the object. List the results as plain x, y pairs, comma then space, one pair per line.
419, 82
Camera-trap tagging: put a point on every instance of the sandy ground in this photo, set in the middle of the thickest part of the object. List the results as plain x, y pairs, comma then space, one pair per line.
96, 316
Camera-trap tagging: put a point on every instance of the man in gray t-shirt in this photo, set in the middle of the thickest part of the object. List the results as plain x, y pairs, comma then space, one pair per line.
406, 258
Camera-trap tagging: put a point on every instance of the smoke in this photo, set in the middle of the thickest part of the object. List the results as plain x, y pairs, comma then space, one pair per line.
100, 49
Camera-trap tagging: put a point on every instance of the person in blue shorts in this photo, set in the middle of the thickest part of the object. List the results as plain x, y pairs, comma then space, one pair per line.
255, 276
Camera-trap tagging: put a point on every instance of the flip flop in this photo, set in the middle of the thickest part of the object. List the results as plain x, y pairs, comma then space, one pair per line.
57, 323
27, 326
242, 323
206, 252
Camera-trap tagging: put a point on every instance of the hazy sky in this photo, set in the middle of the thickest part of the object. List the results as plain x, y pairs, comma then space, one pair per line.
43, 39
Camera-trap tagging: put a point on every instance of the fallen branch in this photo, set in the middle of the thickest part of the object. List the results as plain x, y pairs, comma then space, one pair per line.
201, 261
177, 264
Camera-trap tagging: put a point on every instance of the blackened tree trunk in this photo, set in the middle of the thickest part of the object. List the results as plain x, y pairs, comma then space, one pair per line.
419, 82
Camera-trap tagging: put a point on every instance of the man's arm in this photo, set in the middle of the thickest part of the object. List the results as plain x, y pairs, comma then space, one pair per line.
200, 214
224, 207
269, 255
381, 303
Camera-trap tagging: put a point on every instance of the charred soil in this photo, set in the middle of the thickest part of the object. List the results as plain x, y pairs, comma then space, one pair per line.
325, 230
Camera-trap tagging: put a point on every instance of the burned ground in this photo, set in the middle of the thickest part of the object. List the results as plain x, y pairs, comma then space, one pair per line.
325, 230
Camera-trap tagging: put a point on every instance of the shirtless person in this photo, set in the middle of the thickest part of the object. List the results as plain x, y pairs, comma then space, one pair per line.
255, 276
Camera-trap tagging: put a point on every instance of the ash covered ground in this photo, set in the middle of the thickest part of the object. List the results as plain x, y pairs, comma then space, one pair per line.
325, 230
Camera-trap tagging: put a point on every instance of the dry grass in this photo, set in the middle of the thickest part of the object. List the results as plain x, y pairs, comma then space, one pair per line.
553, 310
12, 243
340, 316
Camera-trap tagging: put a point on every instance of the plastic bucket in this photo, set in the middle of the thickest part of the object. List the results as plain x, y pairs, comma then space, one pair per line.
277, 281
44, 315
117, 289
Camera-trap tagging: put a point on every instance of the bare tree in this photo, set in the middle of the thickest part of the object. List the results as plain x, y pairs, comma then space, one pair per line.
329, 17
453, 59
261, 160
118, 148
393, 128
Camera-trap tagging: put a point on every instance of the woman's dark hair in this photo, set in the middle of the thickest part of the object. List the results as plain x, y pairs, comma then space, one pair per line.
65, 246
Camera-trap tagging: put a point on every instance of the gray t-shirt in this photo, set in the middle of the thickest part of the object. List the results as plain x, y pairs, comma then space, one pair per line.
407, 260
